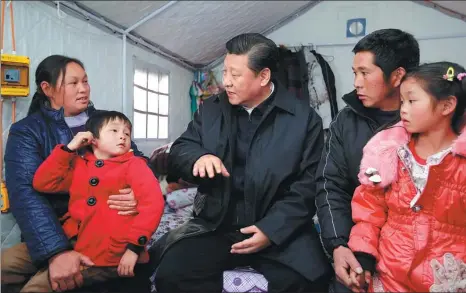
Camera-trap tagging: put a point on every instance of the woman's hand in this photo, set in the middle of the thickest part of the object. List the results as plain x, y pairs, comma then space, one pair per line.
125, 202
64, 270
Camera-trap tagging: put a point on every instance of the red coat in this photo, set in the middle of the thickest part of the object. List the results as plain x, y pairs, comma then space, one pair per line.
418, 246
103, 235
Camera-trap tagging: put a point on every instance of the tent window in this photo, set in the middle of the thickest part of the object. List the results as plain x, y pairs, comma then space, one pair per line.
150, 104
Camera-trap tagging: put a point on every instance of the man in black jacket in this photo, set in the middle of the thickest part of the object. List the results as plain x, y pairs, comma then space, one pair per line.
381, 59
254, 151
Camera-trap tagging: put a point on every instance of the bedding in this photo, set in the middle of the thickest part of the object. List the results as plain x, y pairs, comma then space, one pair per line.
170, 220
181, 198
243, 280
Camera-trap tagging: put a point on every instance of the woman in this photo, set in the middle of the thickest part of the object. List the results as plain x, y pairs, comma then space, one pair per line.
59, 109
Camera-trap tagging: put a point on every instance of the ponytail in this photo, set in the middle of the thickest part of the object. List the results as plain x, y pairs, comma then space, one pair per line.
459, 85
459, 118
37, 100
462, 78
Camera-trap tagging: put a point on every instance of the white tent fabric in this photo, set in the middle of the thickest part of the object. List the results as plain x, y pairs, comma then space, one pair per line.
202, 27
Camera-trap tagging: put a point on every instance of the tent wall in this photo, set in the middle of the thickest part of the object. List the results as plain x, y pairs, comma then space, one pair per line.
40, 31
441, 37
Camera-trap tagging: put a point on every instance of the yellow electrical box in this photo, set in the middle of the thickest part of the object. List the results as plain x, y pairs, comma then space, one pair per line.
15, 75
4, 201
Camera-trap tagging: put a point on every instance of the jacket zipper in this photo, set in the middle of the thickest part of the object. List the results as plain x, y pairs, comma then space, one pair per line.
409, 173
269, 110
69, 129
264, 117
372, 122
371, 125
245, 171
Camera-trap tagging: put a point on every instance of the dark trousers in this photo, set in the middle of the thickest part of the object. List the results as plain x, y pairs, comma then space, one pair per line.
337, 287
19, 274
196, 265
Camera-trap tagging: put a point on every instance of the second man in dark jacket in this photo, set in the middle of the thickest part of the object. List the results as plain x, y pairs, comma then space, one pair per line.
381, 60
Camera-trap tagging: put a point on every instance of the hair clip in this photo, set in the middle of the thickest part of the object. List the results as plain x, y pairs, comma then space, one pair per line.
460, 76
450, 74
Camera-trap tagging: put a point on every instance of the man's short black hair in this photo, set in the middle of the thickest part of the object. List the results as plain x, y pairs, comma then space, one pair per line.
262, 52
100, 118
392, 48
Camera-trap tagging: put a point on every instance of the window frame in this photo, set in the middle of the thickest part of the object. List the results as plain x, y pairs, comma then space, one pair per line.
150, 68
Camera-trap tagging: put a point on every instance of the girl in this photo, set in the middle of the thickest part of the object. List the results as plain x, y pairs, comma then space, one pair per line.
410, 209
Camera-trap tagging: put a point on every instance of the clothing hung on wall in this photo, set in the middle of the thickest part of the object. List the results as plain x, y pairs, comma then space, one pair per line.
290, 72
204, 86
306, 74
329, 78
321, 86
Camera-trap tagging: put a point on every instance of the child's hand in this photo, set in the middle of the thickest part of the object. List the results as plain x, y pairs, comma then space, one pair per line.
360, 282
80, 140
127, 263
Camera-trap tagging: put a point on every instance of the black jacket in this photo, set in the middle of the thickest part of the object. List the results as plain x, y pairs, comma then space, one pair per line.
337, 174
329, 79
279, 173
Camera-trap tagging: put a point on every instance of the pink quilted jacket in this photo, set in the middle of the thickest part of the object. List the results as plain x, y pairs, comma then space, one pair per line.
417, 246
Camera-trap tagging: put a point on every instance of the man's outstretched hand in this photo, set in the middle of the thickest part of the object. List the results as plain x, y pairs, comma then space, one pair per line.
209, 165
